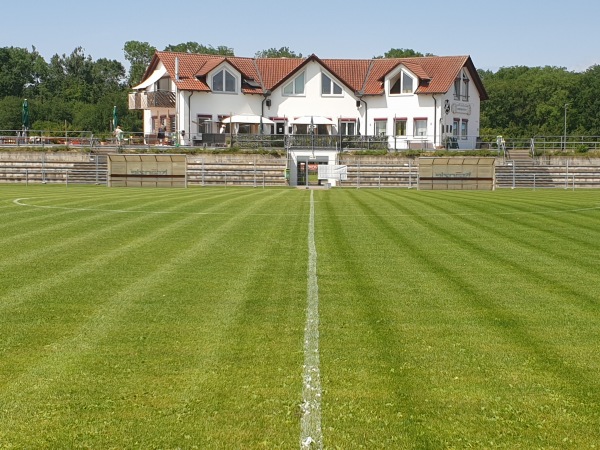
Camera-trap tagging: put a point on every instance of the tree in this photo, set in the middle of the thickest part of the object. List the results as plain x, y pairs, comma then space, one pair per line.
402, 53
10, 113
528, 101
78, 76
585, 110
19, 70
283, 52
194, 47
108, 76
139, 55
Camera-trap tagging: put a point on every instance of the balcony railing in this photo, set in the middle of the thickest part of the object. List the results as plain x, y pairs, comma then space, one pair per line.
154, 99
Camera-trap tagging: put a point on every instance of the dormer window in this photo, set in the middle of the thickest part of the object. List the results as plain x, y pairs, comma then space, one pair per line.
401, 83
329, 87
224, 81
295, 87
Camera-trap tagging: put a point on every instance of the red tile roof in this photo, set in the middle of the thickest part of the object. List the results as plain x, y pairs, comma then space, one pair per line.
436, 73
275, 70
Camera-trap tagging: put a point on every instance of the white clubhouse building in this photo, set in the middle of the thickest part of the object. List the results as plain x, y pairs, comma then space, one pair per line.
417, 102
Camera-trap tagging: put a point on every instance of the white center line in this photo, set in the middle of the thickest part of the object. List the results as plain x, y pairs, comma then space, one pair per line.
311, 436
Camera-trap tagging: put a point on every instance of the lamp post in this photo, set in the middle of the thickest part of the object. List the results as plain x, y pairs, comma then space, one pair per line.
565, 134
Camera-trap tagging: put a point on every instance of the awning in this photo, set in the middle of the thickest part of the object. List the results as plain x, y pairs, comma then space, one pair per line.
247, 118
156, 75
312, 120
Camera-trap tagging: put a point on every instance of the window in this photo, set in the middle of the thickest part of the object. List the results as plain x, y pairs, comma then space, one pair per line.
380, 127
457, 89
461, 88
329, 87
420, 127
401, 84
465, 86
295, 87
464, 129
223, 81
167, 122
455, 127
204, 122
348, 128
400, 127
164, 84
407, 83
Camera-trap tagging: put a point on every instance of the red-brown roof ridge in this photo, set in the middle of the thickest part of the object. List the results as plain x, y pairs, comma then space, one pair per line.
359, 75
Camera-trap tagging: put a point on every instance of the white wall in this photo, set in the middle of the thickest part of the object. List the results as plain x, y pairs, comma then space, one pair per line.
312, 102
463, 110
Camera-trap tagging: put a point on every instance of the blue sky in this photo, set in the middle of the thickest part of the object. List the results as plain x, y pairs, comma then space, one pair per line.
495, 34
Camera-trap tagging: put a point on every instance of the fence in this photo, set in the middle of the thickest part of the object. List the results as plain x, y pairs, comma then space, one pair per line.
540, 144
236, 170
566, 176
86, 139
41, 138
225, 169
42, 167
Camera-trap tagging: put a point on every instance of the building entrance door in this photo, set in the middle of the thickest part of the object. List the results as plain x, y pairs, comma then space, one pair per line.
301, 172
308, 172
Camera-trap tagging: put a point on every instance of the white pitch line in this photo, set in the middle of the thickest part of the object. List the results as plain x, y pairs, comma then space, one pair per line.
21, 202
311, 436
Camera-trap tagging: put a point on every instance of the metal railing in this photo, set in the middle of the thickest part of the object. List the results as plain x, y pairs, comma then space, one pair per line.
44, 138
538, 145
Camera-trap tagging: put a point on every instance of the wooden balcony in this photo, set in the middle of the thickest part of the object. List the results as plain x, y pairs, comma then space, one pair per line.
154, 99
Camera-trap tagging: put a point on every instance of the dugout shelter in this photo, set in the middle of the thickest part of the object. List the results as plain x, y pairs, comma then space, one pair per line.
147, 170
456, 173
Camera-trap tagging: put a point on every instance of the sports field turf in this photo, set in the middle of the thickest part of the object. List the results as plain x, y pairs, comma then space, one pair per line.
180, 318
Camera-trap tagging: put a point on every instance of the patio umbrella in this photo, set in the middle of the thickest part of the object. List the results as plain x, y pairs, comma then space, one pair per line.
25, 115
312, 120
115, 119
247, 118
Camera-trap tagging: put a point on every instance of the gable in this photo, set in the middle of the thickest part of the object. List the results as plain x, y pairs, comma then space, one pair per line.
436, 74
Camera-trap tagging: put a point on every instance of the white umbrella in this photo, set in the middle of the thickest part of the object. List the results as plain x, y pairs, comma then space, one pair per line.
247, 118
312, 120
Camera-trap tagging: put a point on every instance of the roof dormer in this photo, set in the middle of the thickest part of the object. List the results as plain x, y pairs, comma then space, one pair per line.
224, 79
402, 82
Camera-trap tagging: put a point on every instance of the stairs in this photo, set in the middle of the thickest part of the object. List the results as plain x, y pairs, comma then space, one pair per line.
520, 156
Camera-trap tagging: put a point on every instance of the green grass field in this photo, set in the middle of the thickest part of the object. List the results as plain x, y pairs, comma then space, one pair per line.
176, 318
